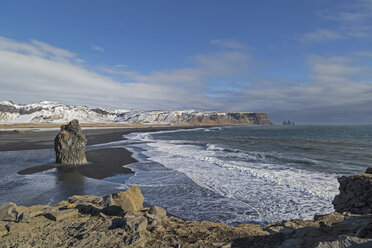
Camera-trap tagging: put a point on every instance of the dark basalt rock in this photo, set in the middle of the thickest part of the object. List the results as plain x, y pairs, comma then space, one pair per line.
369, 170
100, 111
69, 145
355, 194
8, 109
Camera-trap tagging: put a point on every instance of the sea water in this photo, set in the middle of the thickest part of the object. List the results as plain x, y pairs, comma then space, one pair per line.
250, 174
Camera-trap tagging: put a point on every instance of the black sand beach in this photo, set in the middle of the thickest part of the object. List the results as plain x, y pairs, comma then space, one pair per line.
103, 163
29, 140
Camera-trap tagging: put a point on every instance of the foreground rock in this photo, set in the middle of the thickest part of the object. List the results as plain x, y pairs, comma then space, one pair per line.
83, 221
69, 145
355, 194
129, 200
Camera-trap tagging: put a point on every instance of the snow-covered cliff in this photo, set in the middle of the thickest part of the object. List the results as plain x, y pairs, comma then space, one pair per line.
53, 112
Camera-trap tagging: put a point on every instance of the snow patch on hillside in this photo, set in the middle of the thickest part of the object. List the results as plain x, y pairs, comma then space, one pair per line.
53, 112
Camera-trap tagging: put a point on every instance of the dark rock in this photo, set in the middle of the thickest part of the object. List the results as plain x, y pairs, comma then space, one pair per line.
133, 239
88, 209
288, 123
24, 217
69, 145
369, 170
113, 211
100, 111
362, 233
8, 109
117, 223
355, 192
8, 211
346, 241
292, 243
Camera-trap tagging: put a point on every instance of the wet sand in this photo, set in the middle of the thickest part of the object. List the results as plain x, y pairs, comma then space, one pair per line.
12, 140
107, 163
103, 163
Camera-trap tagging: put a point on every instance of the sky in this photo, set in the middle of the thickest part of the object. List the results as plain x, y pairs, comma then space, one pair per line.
306, 61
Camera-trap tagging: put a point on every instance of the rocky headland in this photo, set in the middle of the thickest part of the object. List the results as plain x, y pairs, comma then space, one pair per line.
47, 112
120, 220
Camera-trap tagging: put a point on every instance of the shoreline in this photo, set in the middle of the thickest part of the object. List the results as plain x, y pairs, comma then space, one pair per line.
31, 140
92, 213
102, 162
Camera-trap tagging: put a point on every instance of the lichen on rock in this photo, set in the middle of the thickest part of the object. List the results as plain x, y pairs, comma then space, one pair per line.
69, 145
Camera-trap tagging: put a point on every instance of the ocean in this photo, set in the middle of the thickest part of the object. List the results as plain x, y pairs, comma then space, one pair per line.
250, 174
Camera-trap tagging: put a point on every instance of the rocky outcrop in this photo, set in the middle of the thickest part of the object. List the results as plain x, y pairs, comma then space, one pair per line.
355, 194
82, 221
8, 211
129, 200
69, 145
369, 170
288, 123
222, 119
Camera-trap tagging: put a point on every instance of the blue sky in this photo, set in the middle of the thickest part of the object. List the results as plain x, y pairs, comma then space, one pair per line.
308, 61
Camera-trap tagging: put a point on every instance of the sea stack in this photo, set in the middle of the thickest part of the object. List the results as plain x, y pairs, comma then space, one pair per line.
69, 145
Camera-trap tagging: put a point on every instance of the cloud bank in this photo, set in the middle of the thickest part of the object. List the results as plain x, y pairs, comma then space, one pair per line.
336, 89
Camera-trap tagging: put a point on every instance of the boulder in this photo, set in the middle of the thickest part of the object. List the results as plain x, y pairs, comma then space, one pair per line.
62, 214
135, 223
69, 145
129, 200
369, 170
8, 211
355, 194
346, 241
158, 211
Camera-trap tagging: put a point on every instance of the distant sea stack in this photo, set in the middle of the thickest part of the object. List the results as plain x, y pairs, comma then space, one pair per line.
69, 145
288, 123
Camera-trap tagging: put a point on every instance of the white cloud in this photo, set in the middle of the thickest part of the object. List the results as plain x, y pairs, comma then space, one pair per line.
351, 20
97, 48
220, 64
353, 12
39, 49
337, 86
363, 53
229, 43
36, 71
320, 35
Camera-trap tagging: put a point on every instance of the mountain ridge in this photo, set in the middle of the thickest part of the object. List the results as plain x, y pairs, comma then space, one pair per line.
54, 112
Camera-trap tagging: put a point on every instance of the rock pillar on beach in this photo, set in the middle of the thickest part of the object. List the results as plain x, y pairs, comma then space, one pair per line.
69, 145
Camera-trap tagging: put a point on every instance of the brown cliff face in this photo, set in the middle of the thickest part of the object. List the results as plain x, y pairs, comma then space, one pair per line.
69, 145
232, 118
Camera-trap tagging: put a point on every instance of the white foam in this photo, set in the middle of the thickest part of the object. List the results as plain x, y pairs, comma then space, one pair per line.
277, 192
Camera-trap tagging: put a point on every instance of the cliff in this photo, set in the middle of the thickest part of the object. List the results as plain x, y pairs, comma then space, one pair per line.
52, 112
